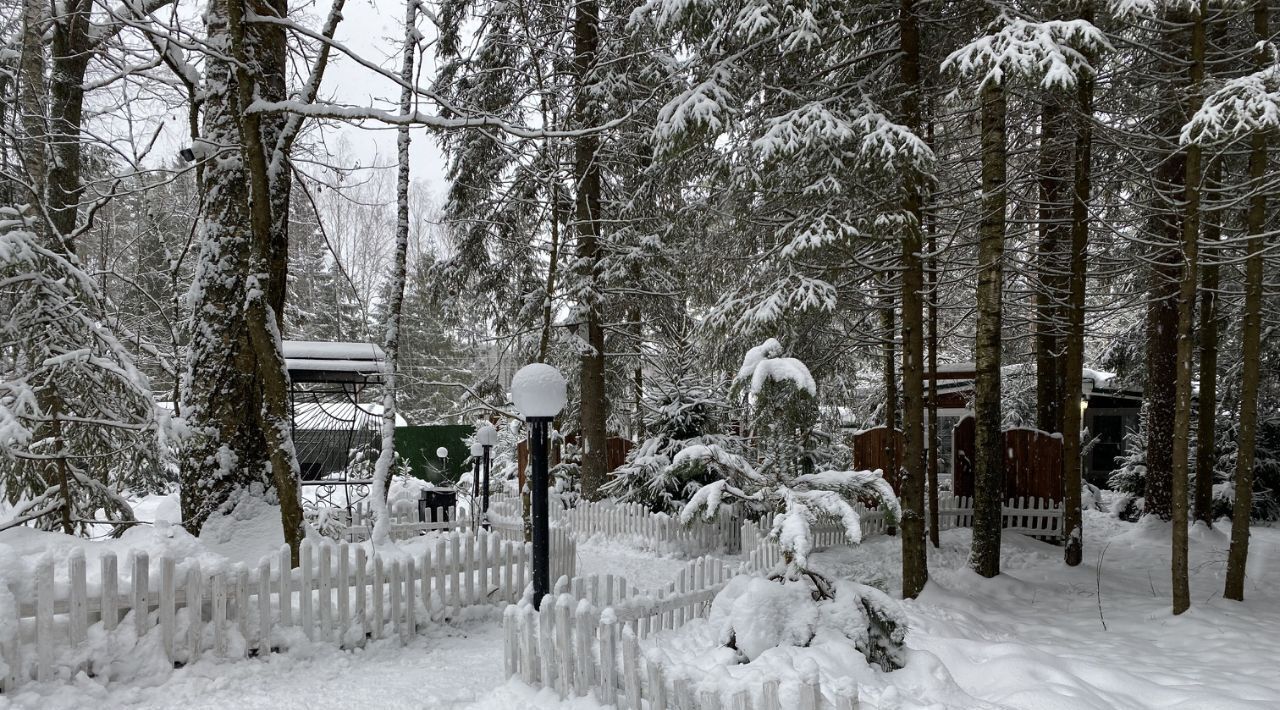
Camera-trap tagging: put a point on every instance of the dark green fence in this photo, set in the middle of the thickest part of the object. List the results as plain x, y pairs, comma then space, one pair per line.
418, 445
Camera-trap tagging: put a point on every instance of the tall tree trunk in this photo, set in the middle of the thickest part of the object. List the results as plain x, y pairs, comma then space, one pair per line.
1186, 326
988, 438
1250, 340
266, 47
553, 257
31, 105
889, 370
262, 320
915, 569
1055, 235
70, 55
594, 409
391, 337
1073, 365
1206, 418
234, 357
934, 440
1164, 259
225, 455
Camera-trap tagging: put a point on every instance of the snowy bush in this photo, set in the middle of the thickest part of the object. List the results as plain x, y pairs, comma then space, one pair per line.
1266, 470
683, 410
753, 614
786, 475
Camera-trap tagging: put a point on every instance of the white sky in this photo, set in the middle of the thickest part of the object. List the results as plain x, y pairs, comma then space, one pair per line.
371, 28
374, 29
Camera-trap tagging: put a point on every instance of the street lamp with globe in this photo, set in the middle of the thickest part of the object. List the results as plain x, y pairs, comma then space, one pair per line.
538, 391
442, 453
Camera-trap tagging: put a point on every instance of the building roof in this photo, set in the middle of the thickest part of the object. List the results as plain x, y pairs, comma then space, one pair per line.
317, 361
960, 375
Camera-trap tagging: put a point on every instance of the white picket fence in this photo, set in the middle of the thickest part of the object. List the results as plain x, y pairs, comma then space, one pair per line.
585, 640
828, 531
407, 524
1036, 517
338, 594
654, 531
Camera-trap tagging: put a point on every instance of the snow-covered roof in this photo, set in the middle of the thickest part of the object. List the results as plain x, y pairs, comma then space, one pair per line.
317, 350
964, 371
307, 359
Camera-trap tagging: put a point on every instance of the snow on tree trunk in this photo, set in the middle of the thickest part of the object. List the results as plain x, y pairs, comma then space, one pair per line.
1073, 340
1188, 282
391, 338
234, 354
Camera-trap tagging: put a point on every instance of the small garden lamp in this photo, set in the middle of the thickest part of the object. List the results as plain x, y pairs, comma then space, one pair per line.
487, 437
476, 452
538, 391
442, 453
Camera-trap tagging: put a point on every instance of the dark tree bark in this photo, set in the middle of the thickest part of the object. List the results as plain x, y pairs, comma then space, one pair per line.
594, 409
988, 438
934, 440
1051, 269
1072, 519
235, 352
1188, 282
915, 568
1165, 259
70, 58
1250, 340
1206, 417
31, 102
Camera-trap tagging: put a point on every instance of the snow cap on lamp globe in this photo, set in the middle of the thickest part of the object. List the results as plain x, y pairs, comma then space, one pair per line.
487, 435
538, 391
477, 450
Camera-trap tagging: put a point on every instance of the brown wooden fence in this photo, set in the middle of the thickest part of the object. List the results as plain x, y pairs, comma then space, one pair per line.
1032, 462
615, 457
876, 448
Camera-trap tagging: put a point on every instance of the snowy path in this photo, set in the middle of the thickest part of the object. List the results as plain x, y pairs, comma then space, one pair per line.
643, 570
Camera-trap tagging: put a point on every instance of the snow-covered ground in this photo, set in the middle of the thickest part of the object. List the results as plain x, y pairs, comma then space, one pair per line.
1039, 636
1035, 637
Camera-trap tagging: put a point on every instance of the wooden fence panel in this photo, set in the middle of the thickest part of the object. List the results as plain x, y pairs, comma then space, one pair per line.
1032, 463
876, 448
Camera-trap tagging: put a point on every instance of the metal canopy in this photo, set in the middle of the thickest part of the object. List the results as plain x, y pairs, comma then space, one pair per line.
334, 363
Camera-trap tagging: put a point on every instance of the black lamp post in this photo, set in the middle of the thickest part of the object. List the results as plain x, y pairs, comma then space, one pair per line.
487, 437
538, 391
477, 516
